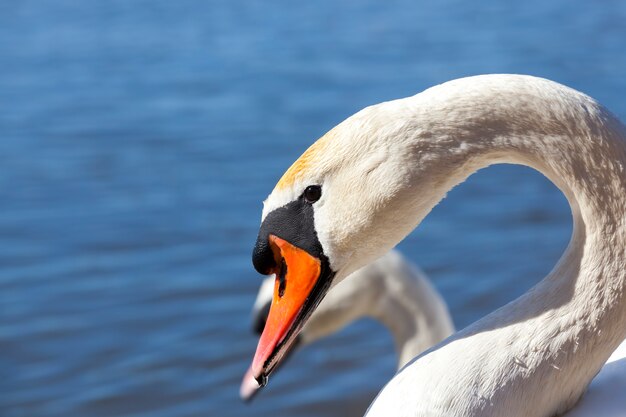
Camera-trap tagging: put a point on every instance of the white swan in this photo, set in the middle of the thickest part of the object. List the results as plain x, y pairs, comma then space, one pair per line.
366, 184
389, 290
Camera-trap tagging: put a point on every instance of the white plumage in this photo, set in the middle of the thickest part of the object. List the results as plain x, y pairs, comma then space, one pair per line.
382, 171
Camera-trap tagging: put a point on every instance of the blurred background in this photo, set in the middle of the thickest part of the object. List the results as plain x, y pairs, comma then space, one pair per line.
139, 138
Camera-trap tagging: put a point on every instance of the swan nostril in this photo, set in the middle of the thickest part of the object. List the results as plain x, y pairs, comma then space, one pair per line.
282, 278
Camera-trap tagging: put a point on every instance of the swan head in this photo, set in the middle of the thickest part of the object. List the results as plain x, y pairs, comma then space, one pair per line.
346, 201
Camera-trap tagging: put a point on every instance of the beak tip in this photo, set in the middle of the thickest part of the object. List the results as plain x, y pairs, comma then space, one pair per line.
249, 386
261, 380
257, 373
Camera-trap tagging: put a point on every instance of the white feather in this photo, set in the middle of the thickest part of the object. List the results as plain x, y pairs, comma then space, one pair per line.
387, 166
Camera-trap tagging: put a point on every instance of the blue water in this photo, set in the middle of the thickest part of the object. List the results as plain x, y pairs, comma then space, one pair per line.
138, 139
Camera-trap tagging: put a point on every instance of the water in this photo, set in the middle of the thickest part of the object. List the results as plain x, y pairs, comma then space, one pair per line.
138, 140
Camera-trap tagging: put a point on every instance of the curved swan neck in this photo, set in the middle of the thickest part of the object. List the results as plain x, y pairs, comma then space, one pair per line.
410, 307
578, 145
560, 132
547, 345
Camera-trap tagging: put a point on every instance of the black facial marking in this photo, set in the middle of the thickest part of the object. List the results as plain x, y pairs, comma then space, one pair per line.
292, 222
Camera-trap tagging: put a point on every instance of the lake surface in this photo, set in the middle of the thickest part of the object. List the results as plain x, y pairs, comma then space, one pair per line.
138, 140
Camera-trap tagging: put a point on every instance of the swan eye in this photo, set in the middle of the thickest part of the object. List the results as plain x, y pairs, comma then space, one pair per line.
312, 193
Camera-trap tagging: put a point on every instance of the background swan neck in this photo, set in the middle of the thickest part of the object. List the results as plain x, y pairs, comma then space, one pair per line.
393, 292
412, 309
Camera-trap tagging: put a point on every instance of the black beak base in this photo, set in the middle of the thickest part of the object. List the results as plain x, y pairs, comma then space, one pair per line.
293, 222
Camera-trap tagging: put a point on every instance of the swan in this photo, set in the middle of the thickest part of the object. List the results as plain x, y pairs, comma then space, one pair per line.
390, 290
368, 182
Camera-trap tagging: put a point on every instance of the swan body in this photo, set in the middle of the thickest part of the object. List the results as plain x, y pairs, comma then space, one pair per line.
376, 175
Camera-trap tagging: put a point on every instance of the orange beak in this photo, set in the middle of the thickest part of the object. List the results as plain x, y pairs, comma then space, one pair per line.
296, 275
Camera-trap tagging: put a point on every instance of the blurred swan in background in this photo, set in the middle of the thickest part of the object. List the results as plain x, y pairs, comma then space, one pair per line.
390, 290
365, 185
